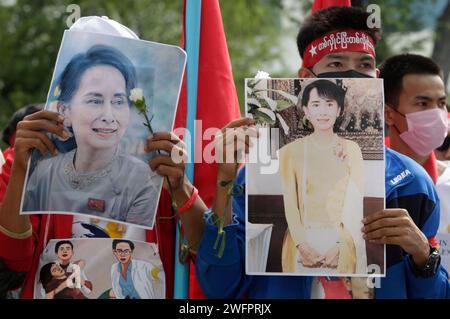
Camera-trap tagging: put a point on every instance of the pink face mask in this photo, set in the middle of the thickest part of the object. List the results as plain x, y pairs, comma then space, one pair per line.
426, 130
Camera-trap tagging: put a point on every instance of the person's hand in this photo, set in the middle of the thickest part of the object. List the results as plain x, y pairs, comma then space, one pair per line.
171, 162
309, 257
30, 134
332, 257
231, 144
395, 227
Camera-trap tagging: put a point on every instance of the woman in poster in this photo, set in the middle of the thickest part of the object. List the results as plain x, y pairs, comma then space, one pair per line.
57, 284
95, 177
323, 187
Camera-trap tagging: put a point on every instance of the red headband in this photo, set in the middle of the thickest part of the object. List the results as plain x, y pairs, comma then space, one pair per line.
338, 41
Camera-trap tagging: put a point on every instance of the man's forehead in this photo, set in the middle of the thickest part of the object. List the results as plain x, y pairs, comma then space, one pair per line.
424, 84
349, 55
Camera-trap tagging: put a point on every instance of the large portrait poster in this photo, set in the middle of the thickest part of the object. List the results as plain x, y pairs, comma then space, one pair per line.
101, 169
98, 268
315, 173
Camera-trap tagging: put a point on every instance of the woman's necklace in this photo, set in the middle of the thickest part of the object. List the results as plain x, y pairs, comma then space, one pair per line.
80, 181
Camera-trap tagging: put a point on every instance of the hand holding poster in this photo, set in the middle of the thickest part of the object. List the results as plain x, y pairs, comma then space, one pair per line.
101, 168
323, 174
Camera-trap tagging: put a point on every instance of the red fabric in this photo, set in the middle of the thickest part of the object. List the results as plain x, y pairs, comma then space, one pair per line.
431, 167
334, 289
337, 41
323, 4
217, 102
433, 241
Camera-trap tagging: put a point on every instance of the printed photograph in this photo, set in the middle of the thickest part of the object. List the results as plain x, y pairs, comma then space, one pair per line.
113, 93
324, 173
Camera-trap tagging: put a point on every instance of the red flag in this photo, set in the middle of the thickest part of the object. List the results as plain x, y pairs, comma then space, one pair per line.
323, 4
217, 102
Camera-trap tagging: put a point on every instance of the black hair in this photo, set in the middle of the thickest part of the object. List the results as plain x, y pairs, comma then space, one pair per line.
118, 241
62, 242
445, 146
18, 116
394, 69
326, 89
333, 19
45, 274
97, 55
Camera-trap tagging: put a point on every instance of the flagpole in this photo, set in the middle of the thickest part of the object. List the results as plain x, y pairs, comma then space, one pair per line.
192, 36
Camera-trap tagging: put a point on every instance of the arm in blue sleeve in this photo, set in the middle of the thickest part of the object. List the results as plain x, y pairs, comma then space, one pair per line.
222, 277
436, 287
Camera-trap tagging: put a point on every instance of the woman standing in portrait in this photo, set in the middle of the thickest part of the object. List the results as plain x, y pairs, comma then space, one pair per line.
96, 177
323, 187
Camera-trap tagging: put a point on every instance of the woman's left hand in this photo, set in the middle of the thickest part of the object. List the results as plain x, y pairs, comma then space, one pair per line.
332, 257
172, 161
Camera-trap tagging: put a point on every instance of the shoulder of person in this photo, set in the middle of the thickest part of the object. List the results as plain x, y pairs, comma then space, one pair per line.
45, 165
351, 146
402, 170
294, 147
132, 164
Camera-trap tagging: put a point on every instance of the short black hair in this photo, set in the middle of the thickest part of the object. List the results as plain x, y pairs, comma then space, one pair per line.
97, 55
333, 19
328, 89
118, 241
394, 69
18, 116
445, 146
62, 242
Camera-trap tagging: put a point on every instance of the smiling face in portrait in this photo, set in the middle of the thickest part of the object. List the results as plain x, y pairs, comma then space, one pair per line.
123, 252
322, 112
65, 253
99, 111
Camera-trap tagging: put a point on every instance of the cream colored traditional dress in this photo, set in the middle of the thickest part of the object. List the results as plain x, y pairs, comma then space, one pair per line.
323, 188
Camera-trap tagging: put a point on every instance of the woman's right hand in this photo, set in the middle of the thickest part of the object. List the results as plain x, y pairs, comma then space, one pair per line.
30, 134
309, 257
231, 143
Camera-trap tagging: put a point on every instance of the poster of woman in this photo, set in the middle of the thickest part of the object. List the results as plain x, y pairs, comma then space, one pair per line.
112, 92
100, 268
325, 138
